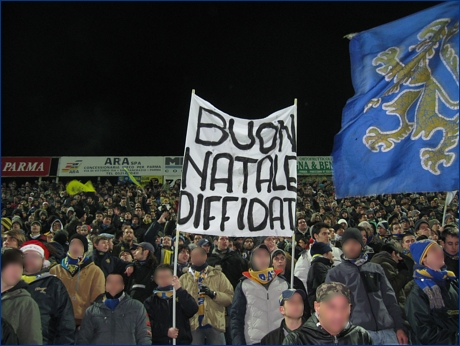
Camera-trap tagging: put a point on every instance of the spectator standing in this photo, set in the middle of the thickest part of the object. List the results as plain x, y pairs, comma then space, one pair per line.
322, 261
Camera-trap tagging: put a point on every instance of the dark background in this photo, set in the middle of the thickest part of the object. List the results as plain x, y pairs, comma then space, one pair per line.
115, 78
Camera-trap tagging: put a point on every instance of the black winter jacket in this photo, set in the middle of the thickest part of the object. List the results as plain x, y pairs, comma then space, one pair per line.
160, 312
430, 327
141, 284
110, 264
232, 264
56, 311
9, 337
311, 333
276, 337
317, 276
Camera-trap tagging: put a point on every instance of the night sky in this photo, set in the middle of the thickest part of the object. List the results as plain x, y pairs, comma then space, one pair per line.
115, 78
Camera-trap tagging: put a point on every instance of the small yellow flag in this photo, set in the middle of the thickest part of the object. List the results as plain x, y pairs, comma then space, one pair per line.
132, 178
75, 187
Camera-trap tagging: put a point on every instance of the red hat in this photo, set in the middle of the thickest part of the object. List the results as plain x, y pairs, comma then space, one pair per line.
36, 246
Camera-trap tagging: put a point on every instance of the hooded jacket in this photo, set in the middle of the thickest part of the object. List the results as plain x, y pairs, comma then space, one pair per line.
374, 306
437, 326
232, 264
311, 333
127, 324
214, 309
62, 228
160, 312
56, 311
22, 312
316, 276
141, 282
83, 287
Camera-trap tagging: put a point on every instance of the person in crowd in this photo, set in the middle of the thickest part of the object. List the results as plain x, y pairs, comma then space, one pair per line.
432, 305
84, 231
279, 261
80, 216
160, 309
252, 317
320, 232
166, 250
35, 232
213, 292
365, 233
126, 244
302, 230
83, 279
374, 304
422, 227
205, 244
396, 271
106, 261
292, 308
13, 239
232, 264
407, 240
18, 307
56, 311
248, 245
396, 235
322, 261
183, 257
330, 324
115, 318
106, 226
141, 281
449, 242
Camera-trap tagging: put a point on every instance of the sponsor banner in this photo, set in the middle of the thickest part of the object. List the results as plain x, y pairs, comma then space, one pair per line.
171, 179
173, 165
143, 180
103, 166
26, 166
314, 165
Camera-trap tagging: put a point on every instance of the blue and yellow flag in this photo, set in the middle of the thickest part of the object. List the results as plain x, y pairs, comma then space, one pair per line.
400, 130
130, 176
75, 187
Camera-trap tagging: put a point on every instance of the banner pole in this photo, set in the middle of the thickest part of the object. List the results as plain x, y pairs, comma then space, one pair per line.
176, 246
293, 231
445, 210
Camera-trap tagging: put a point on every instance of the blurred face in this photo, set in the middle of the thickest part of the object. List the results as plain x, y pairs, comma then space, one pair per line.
222, 243
451, 245
128, 235
424, 229
114, 284
167, 241
183, 256
302, 225
322, 236
10, 242
103, 245
397, 229
270, 243
407, 241
293, 307
163, 278
351, 249
333, 314
76, 248
279, 262
434, 258
260, 259
197, 258
33, 262
11, 274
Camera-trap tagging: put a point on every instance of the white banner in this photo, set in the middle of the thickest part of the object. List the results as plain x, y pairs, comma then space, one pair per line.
239, 176
103, 166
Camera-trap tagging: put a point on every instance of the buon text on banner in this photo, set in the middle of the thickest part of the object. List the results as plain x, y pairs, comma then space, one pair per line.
239, 176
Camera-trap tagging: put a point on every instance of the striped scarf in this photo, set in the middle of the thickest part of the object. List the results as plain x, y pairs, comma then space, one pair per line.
427, 280
358, 261
73, 264
199, 277
164, 292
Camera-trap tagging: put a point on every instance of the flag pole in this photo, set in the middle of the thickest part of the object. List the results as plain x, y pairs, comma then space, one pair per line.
176, 246
293, 233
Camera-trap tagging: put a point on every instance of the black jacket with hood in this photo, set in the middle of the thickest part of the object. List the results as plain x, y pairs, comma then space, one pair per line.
316, 276
311, 333
232, 264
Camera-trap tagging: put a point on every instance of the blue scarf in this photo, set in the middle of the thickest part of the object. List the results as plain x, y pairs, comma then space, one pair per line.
428, 279
73, 264
358, 261
164, 292
112, 302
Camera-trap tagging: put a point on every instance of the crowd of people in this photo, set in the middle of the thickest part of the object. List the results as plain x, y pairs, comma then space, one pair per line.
98, 268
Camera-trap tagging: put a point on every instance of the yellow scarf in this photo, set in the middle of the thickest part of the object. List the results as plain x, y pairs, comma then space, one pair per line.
262, 276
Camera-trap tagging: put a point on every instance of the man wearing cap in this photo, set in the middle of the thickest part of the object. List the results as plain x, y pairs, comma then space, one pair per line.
320, 232
330, 323
343, 223
141, 282
80, 216
291, 303
374, 304
108, 263
56, 312
432, 305
405, 224
248, 246
205, 244
382, 233
18, 307
255, 307
35, 232
322, 261
13, 239
422, 227
82, 278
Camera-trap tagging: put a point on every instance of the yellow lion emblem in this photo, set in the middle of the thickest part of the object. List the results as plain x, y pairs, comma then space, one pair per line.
424, 92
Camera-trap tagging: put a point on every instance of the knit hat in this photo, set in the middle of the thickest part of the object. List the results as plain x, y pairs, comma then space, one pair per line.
60, 237
79, 213
70, 209
6, 223
319, 248
37, 246
433, 222
342, 221
43, 212
419, 223
420, 248
82, 238
36, 222
11, 256
16, 219
277, 252
383, 224
352, 233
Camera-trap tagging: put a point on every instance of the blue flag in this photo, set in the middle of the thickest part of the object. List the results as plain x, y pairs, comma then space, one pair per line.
400, 131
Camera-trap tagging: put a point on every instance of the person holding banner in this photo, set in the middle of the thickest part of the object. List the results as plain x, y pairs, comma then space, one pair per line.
255, 309
213, 293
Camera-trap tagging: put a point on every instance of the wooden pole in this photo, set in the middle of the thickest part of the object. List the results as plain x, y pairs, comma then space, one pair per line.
176, 246
293, 233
